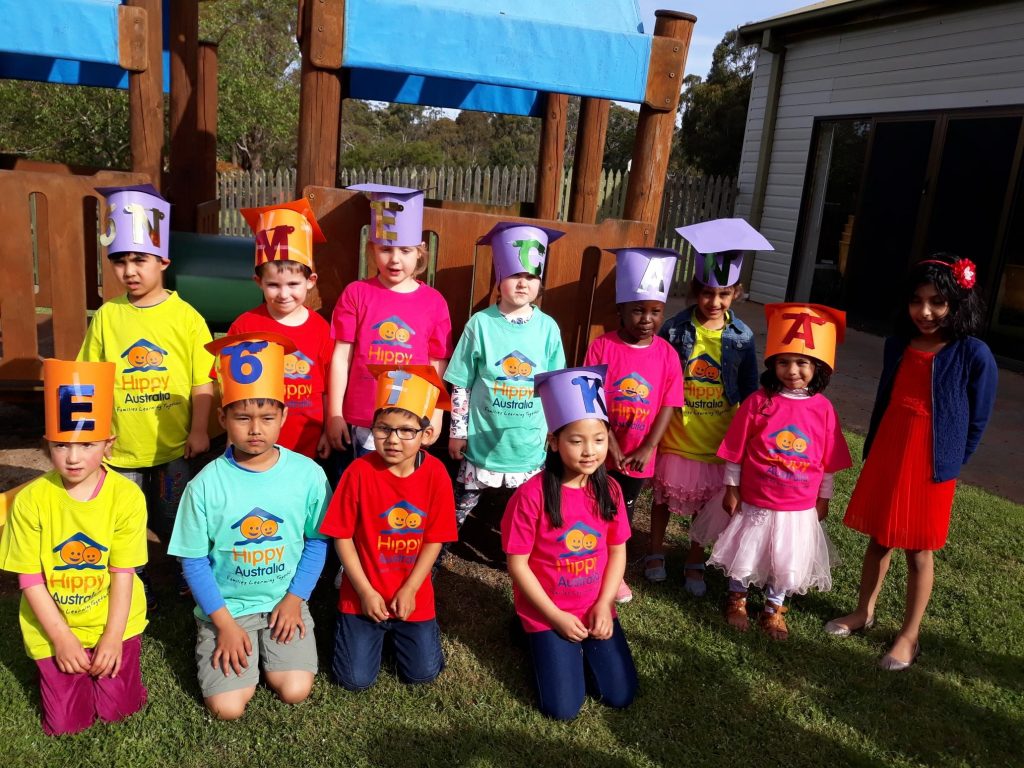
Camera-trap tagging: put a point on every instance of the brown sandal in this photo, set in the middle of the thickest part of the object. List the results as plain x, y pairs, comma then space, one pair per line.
736, 611
773, 625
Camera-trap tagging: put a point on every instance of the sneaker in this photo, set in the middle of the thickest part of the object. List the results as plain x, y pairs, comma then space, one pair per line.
624, 595
147, 589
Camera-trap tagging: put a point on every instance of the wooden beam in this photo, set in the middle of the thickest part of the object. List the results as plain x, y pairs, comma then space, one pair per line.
206, 123
589, 160
552, 156
655, 127
321, 22
146, 98
185, 149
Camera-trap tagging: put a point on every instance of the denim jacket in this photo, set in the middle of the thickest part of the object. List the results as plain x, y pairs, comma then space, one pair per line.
739, 355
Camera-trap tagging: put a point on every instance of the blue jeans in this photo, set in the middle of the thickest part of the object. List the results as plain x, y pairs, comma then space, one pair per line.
359, 645
564, 672
163, 486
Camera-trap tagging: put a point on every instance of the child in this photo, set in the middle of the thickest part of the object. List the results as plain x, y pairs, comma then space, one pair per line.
565, 533
389, 319
247, 536
719, 363
497, 428
935, 396
783, 448
389, 516
646, 380
285, 235
162, 390
75, 537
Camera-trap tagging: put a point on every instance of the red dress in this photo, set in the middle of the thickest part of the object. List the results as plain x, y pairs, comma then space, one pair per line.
896, 502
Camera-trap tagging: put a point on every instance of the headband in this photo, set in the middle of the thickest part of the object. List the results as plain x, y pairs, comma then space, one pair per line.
964, 272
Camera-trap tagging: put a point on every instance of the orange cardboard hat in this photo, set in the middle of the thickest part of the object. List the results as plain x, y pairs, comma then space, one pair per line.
804, 329
79, 400
251, 365
416, 388
285, 232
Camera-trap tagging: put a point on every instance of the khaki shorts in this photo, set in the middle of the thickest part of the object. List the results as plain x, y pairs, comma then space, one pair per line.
272, 656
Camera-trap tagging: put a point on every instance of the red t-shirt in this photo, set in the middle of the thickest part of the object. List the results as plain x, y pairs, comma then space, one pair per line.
389, 518
305, 374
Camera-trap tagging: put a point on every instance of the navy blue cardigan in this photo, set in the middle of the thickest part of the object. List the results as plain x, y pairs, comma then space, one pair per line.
964, 375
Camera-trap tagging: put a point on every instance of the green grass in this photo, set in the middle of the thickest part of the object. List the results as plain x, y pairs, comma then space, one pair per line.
708, 696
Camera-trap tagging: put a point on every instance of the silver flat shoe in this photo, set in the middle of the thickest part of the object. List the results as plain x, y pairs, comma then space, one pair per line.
889, 664
841, 630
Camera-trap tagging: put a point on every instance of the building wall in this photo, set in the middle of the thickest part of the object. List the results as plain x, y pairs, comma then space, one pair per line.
968, 59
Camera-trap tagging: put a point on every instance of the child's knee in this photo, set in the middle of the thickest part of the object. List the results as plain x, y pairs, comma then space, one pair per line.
292, 687
230, 705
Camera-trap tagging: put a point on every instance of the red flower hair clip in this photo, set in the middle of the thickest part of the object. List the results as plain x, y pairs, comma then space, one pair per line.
964, 272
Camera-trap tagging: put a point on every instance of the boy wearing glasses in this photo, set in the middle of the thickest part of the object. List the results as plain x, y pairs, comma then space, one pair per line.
391, 513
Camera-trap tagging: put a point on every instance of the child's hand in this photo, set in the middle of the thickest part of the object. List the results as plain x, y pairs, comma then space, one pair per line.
569, 627
286, 618
233, 648
638, 459
198, 443
731, 500
337, 433
106, 656
599, 621
373, 605
616, 454
822, 506
69, 655
403, 603
457, 447
323, 446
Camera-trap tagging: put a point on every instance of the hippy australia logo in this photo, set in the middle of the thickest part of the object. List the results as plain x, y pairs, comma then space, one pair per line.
297, 366
579, 540
394, 332
399, 542
705, 369
516, 366
143, 356
633, 388
79, 552
403, 519
790, 441
258, 527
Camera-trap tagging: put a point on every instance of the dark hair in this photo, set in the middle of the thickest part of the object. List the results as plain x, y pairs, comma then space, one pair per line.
597, 486
424, 422
285, 265
259, 402
966, 308
819, 381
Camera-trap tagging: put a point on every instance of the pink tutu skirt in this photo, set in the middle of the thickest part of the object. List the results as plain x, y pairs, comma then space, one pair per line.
788, 551
685, 485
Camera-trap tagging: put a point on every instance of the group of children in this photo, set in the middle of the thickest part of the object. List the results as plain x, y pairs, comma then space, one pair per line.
750, 457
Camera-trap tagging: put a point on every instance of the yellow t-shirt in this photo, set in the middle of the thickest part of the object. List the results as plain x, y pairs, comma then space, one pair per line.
159, 355
73, 543
696, 430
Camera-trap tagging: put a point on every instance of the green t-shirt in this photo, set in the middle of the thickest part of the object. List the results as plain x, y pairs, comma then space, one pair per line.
497, 360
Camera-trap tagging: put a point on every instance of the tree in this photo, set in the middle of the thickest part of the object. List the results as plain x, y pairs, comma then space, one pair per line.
618, 147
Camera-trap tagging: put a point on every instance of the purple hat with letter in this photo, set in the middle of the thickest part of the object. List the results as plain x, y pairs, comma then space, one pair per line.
572, 394
519, 248
396, 214
135, 219
719, 245
643, 274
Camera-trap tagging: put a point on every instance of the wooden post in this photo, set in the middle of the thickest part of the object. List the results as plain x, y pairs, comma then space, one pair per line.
657, 121
146, 98
586, 172
321, 92
185, 155
552, 156
206, 123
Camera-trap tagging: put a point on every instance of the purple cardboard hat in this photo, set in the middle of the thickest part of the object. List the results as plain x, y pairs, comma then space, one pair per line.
719, 245
572, 394
518, 248
396, 214
135, 219
643, 274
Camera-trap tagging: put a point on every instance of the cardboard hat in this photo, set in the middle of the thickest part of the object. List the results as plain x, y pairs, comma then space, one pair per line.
285, 232
517, 248
643, 274
415, 388
719, 244
571, 394
396, 214
135, 219
812, 330
251, 365
79, 400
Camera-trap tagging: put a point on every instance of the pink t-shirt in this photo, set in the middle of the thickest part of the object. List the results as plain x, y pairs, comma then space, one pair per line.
387, 327
568, 562
784, 446
640, 382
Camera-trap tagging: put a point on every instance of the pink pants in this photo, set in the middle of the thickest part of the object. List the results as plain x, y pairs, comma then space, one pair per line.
72, 702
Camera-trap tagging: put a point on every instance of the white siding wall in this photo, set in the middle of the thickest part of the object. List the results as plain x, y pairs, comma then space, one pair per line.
971, 58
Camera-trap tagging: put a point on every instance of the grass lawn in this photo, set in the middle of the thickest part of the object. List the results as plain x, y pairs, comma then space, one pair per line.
709, 696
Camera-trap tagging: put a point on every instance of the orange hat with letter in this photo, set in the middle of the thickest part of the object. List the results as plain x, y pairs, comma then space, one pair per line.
812, 330
79, 400
414, 388
285, 232
251, 365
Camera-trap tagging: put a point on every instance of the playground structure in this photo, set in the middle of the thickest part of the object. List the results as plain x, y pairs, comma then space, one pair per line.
526, 62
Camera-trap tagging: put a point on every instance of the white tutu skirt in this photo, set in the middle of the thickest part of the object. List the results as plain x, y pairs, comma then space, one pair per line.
788, 551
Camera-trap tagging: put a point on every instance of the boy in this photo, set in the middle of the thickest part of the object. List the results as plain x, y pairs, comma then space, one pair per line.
391, 513
285, 235
162, 388
247, 536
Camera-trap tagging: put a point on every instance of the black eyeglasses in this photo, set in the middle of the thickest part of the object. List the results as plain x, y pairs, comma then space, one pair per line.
382, 432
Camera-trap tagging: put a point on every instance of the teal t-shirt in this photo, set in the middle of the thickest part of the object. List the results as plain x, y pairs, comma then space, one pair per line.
252, 525
497, 360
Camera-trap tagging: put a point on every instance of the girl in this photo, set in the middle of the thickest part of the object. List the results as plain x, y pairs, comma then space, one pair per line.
719, 364
565, 533
497, 429
783, 447
644, 374
75, 537
391, 318
935, 396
